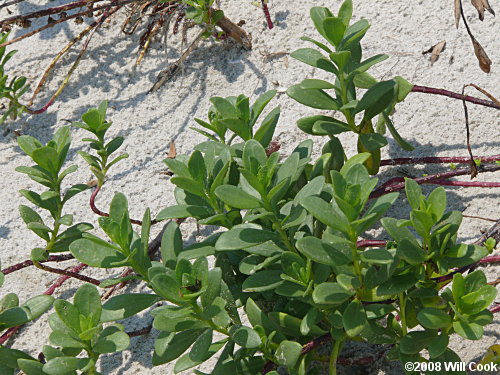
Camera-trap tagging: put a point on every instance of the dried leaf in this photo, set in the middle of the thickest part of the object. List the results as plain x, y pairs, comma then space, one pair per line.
484, 60
458, 11
436, 50
481, 5
92, 183
172, 152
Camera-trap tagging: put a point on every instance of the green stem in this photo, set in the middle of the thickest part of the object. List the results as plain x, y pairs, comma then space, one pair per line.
346, 112
333, 357
402, 313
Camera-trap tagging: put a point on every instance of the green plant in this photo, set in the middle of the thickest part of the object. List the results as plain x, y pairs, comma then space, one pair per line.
291, 258
350, 71
13, 90
48, 171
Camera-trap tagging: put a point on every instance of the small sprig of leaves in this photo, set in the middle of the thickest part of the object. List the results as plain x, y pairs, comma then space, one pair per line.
47, 171
77, 327
350, 71
202, 13
94, 121
236, 115
11, 90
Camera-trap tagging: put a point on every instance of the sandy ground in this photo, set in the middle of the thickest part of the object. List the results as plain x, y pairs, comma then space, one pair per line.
401, 29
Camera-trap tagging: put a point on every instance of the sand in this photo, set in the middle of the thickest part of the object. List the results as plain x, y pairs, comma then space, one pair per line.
401, 29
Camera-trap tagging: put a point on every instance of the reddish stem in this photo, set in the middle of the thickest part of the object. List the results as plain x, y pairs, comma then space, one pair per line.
439, 160
495, 309
454, 95
267, 14
440, 179
491, 259
28, 263
102, 213
75, 275
140, 332
11, 331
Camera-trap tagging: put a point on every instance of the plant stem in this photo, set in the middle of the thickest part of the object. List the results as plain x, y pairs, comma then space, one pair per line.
441, 179
332, 367
439, 160
454, 95
402, 312
75, 275
28, 263
267, 14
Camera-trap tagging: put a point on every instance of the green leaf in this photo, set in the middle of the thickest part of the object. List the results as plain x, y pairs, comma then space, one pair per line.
126, 305
257, 317
96, 254
410, 252
413, 193
111, 340
462, 255
167, 287
345, 12
30, 367
290, 325
314, 98
28, 144
469, 331
244, 236
331, 294
403, 87
245, 337
47, 158
354, 34
438, 346
306, 123
318, 15
334, 29
319, 44
330, 127
432, 318
185, 362
259, 105
182, 211
397, 284
327, 214
288, 353
354, 318
321, 252
171, 244
201, 346
235, 197
414, 342
37, 305
368, 63
65, 365
372, 141
376, 256
266, 131
262, 281
69, 314
397, 137
88, 301
224, 107
189, 185
376, 99
477, 301
197, 167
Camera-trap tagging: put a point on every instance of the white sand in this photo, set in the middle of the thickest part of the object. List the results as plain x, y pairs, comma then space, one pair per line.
401, 29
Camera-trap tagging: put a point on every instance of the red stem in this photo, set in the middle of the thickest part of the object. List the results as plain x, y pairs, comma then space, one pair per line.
439, 160
11, 331
267, 14
454, 95
102, 213
491, 259
28, 263
75, 275
495, 309
439, 179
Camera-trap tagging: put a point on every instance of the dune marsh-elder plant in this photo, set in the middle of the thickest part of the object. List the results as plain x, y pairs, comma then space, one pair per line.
292, 258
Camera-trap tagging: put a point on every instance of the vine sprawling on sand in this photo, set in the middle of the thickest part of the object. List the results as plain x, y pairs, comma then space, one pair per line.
294, 256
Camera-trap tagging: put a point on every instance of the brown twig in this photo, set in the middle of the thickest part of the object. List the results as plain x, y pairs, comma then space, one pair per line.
439, 160
473, 167
454, 95
267, 14
479, 218
28, 263
70, 273
441, 179
140, 332
370, 243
